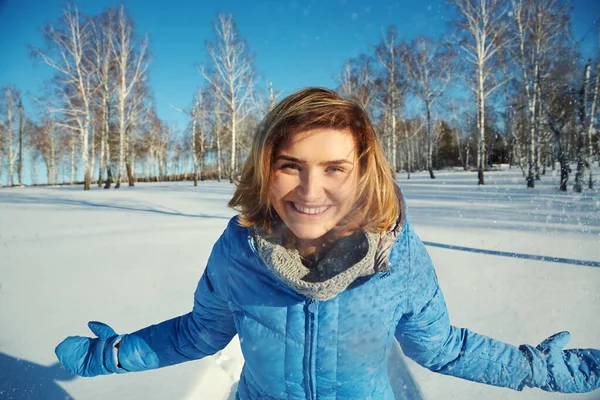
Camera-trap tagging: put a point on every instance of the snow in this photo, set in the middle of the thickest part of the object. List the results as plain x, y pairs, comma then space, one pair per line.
132, 257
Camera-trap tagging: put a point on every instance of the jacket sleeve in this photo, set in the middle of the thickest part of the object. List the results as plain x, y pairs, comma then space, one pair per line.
426, 336
202, 332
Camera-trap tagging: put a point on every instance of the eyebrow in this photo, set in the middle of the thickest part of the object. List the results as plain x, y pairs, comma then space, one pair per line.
300, 161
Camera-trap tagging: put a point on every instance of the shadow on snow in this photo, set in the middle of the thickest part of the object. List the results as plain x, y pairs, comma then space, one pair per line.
25, 380
584, 263
86, 203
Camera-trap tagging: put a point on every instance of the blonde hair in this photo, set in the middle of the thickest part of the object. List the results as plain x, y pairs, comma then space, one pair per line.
376, 207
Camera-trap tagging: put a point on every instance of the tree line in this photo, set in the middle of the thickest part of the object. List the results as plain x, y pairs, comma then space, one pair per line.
504, 85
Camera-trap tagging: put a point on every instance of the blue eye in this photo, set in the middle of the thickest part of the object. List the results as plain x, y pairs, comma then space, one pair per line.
290, 166
334, 169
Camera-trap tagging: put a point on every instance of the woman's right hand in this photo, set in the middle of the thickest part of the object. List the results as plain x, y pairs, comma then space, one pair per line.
86, 356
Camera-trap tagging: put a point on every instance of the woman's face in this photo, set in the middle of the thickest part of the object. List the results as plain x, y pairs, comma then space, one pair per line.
314, 180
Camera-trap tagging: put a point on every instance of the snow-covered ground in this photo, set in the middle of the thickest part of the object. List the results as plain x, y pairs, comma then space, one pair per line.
132, 257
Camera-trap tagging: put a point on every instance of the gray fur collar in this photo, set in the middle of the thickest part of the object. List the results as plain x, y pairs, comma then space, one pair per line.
329, 276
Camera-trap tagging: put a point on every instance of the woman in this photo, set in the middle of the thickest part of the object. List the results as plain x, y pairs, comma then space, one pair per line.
317, 275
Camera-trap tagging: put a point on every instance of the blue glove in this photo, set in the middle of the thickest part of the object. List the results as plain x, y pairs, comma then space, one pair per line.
565, 371
86, 356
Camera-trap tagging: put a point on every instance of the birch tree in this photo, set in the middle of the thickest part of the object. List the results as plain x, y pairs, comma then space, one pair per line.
46, 140
541, 29
10, 99
197, 143
273, 96
412, 128
558, 104
216, 122
151, 142
131, 64
430, 66
264, 101
197, 132
234, 78
358, 82
389, 54
590, 160
582, 119
588, 96
105, 82
69, 40
482, 30
137, 111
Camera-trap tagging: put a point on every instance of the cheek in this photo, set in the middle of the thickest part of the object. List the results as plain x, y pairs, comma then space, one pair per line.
346, 190
280, 186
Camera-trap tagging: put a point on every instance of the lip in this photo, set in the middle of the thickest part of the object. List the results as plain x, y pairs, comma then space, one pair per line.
308, 216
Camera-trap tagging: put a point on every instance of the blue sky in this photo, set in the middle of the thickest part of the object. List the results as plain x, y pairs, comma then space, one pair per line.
295, 43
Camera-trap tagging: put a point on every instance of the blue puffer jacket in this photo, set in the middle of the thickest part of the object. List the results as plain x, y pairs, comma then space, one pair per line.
298, 348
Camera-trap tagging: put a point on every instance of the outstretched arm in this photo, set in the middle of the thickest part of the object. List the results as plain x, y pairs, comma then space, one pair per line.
204, 331
427, 337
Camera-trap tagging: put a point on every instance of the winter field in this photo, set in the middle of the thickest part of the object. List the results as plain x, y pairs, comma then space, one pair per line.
132, 257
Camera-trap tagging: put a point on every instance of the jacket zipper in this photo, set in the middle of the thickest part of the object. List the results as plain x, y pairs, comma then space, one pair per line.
312, 310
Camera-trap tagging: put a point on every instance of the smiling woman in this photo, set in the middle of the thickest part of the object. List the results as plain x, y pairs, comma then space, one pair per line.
314, 182
316, 150
318, 274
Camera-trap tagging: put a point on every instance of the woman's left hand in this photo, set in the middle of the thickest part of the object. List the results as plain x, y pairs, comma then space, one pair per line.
565, 371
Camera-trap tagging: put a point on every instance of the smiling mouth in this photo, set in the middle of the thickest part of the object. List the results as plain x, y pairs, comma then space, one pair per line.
309, 210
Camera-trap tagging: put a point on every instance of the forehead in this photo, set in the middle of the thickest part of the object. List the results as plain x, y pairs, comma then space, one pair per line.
320, 143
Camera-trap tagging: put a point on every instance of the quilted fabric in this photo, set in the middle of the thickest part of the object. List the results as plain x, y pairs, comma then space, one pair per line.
295, 347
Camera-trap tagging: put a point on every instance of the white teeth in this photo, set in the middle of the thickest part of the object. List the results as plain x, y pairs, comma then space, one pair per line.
303, 210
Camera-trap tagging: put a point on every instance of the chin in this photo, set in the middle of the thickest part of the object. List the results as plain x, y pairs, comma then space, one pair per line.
307, 233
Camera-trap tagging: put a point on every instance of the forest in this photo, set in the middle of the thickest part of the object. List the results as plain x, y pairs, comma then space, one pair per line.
505, 87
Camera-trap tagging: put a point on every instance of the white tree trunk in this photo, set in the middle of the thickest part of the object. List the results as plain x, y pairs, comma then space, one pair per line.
53, 178
481, 147
219, 164
429, 136
578, 186
72, 161
85, 151
93, 154
132, 162
101, 158
109, 171
408, 153
233, 150
121, 109
194, 150
533, 155
10, 144
591, 126
33, 169
151, 167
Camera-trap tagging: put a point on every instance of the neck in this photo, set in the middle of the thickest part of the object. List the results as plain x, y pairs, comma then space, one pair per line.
311, 247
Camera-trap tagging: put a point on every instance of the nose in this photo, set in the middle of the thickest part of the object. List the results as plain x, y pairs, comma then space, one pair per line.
311, 186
